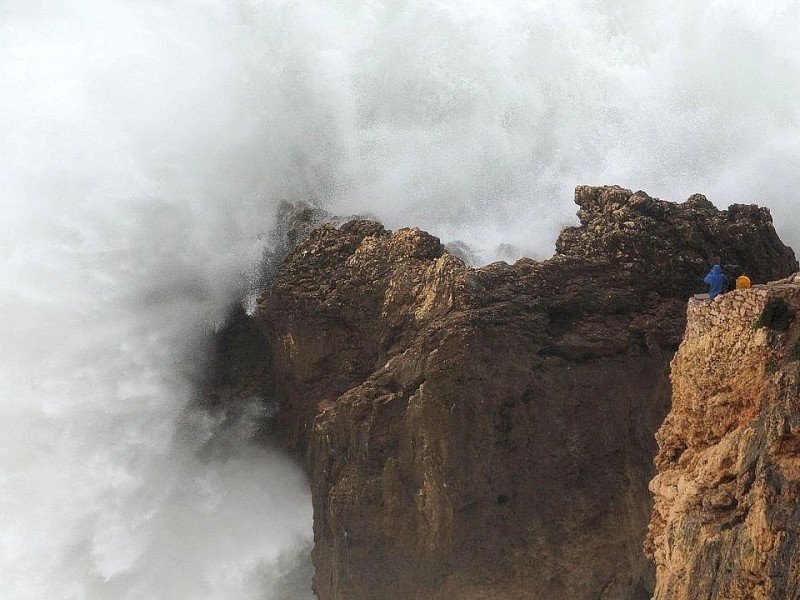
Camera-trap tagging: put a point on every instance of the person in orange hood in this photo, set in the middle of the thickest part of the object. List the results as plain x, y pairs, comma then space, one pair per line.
742, 282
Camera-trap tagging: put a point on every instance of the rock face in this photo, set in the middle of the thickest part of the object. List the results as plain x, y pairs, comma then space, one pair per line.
726, 520
488, 433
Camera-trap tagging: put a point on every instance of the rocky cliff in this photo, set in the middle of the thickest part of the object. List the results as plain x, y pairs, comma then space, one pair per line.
726, 521
487, 433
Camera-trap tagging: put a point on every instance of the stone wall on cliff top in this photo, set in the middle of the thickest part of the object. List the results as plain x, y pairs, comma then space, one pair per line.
488, 433
726, 519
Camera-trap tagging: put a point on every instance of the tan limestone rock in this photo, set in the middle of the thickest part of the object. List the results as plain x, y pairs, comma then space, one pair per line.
725, 523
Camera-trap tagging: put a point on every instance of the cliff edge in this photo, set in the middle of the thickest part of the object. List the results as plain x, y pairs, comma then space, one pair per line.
727, 494
488, 433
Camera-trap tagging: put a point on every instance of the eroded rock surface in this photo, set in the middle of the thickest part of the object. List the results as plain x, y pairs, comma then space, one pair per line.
488, 433
727, 494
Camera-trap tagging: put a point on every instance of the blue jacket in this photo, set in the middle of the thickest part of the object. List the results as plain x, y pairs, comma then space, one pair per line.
716, 281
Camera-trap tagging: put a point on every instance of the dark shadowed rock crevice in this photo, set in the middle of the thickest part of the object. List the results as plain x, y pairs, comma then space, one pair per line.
488, 433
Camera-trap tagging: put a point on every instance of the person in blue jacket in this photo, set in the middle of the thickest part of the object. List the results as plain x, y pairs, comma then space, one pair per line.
716, 281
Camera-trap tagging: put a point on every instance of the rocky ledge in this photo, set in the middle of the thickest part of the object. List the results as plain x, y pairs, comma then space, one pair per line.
727, 494
485, 433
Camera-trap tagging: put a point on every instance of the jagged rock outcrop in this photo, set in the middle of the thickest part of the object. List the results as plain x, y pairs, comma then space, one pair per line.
488, 433
666, 245
726, 521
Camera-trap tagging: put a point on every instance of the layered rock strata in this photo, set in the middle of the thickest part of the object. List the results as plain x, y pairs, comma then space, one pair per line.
726, 521
488, 433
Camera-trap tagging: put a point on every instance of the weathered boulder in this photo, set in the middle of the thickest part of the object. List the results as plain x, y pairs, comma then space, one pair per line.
726, 520
488, 433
